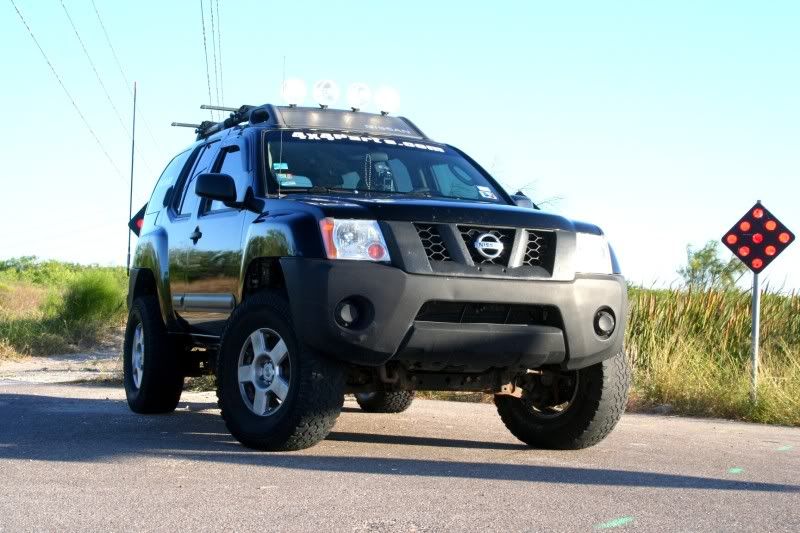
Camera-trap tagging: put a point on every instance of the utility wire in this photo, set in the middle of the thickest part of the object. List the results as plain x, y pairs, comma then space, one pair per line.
102, 85
125, 78
214, 50
219, 46
64, 87
205, 51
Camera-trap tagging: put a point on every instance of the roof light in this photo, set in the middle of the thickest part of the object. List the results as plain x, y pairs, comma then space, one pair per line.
388, 100
326, 92
358, 95
294, 92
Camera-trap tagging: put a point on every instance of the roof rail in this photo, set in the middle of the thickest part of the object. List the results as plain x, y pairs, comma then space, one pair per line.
208, 127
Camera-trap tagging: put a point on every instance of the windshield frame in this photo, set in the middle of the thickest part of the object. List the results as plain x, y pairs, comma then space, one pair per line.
272, 187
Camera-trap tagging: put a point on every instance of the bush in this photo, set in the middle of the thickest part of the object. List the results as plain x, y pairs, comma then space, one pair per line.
93, 296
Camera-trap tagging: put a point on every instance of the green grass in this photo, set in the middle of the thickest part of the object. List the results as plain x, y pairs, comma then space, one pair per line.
688, 349
691, 350
51, 307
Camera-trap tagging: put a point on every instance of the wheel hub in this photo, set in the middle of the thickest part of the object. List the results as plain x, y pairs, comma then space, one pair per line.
137, 356
264, 372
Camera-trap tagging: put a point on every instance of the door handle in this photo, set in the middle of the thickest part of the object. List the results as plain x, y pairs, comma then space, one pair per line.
195, 235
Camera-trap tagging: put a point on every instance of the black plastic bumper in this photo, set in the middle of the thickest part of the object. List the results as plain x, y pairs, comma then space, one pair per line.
317, 286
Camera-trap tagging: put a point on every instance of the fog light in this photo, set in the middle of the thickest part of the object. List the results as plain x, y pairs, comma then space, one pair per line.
346, 313
604, 323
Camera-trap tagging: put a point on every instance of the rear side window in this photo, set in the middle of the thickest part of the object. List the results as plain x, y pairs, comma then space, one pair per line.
167, 180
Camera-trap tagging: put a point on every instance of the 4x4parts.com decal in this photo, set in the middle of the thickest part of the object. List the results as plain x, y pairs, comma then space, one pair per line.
317, 136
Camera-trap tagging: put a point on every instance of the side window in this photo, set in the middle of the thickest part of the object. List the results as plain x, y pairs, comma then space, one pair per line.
233, 165
167, 180
190, 200
452, 181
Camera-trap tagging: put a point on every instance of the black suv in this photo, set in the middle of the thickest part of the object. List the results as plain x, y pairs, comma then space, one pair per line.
301, 254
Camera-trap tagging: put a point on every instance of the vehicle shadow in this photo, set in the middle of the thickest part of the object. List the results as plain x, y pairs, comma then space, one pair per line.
46, 428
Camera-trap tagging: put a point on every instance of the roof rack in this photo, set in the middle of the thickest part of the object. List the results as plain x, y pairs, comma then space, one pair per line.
208, 127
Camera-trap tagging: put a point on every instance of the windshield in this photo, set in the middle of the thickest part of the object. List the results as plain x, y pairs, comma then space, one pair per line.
337, 162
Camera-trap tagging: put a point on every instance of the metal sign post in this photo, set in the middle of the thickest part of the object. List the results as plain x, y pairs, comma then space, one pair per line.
757, 239
755, 338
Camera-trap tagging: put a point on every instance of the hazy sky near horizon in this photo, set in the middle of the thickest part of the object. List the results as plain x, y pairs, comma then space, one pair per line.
662, 122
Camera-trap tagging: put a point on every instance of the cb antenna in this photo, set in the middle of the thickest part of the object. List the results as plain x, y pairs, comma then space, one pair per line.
130, 196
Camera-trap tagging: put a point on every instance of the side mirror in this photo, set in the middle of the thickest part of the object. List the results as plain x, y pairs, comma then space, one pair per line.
523, 201
219, 187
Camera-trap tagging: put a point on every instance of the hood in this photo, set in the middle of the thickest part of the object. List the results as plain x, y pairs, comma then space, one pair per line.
434, 210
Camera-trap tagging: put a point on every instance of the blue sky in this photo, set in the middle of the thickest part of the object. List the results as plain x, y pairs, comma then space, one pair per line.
662, 122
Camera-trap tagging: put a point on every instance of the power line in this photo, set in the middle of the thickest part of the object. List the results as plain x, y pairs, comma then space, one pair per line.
205, 51
219, 46
102, 85
64, 87
124, 77
214, 49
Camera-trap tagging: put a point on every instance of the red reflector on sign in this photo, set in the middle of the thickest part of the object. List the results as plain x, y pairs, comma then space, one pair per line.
757, 263
784, 237
758, 238
758, 212
744, 251
744, 226
731, 239
770, 250
770, 225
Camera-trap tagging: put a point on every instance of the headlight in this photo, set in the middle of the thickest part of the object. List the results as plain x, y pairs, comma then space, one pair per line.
353, 239
592, 254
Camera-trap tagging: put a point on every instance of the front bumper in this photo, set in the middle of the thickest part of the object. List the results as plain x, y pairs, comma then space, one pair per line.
317, 286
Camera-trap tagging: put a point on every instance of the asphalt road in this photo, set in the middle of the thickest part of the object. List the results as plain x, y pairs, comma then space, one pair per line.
72, 457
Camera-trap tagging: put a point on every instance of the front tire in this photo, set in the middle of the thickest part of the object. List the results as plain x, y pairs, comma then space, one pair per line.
275, 393
594, 409
151, 370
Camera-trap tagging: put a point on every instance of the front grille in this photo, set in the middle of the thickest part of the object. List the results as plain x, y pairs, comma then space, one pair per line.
490, 313
470, 234
432, 241
541, 250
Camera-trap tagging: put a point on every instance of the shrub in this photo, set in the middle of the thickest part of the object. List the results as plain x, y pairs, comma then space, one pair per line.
93, 296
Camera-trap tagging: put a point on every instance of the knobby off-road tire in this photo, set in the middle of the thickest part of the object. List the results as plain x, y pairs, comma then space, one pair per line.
151, 369
385, 402
312, 385
595, 410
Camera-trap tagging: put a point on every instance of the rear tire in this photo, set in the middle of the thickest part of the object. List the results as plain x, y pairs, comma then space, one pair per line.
151, 369
595, 409
385, 402
275, 393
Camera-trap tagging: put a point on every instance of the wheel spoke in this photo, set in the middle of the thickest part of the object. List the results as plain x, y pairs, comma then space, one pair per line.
260, 401
246, 374
258, 342
278, 353
279, 387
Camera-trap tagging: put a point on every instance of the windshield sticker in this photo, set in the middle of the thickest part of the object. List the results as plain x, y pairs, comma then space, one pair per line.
486, 192
314, 136
280, 166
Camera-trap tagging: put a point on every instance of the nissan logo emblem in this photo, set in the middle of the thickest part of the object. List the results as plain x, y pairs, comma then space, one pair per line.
489, 246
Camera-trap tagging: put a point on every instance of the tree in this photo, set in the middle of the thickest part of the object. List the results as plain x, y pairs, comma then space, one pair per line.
705, 269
